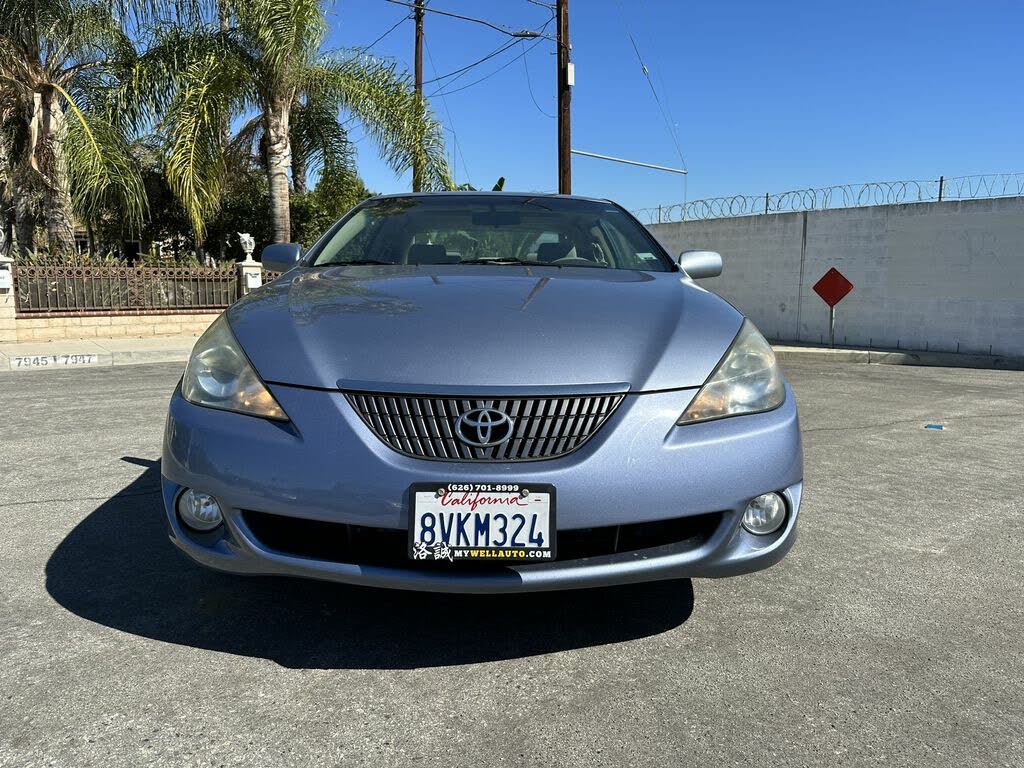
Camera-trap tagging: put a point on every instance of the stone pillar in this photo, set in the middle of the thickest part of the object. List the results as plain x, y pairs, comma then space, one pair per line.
8, 330
250, 272
250, 275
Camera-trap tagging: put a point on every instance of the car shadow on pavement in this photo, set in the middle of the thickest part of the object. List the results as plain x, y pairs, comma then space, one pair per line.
118, 568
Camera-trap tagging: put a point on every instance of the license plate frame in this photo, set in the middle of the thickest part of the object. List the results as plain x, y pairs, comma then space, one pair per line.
464, 494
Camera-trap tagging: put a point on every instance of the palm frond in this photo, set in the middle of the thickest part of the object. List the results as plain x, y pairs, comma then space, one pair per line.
281, 31
177, 52
194, 129
101, 170
92, 34
318, 139
383, 100
245, 150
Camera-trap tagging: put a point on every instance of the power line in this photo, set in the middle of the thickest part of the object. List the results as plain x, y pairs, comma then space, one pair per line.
658, 73
396, 25
451, 123
420, 8
499, 50
513, 60
524, 33
647, 76
529, 85
657, 99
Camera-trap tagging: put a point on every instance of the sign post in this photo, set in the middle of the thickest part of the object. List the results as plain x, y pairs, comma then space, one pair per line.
832, 288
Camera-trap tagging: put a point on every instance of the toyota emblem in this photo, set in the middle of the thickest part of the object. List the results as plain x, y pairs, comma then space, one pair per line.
484, 427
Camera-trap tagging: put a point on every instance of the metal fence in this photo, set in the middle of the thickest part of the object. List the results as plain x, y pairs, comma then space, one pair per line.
50, 290
841, 196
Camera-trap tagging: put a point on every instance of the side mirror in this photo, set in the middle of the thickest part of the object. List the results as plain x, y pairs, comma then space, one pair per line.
280, 257
698, 264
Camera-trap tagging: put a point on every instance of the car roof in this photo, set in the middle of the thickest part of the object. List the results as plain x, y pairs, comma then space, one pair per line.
484, 194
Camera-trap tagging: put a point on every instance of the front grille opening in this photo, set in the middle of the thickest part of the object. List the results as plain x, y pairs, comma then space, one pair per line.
424, 426
363, 545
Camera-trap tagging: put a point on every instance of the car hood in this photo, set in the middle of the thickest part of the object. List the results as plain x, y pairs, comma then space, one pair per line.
443, 328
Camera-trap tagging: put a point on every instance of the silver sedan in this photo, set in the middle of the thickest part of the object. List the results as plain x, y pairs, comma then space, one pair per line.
483, 393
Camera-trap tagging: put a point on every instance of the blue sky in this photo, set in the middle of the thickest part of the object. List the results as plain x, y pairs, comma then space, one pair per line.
765, 96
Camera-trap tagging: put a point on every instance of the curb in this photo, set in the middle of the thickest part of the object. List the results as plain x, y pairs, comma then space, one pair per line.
786, 353
150, 356
72, 359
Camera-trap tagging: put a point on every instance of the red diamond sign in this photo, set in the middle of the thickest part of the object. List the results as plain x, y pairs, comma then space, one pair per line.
833, 287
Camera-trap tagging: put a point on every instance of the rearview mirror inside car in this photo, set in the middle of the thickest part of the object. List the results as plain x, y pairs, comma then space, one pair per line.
698, 264
496, 218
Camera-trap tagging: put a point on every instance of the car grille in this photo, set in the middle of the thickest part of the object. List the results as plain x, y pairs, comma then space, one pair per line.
363, 545
542, 427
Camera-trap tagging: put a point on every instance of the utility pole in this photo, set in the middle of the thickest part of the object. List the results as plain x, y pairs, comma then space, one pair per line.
565, 82
417, 170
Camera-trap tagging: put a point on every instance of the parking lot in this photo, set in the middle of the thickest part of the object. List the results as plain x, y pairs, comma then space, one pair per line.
891, 635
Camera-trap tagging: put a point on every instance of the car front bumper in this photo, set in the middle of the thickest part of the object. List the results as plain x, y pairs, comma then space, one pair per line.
325, 465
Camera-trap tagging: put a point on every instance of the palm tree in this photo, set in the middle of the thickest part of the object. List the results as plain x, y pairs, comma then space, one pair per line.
7, 217
269, 61
318, 141
65, 151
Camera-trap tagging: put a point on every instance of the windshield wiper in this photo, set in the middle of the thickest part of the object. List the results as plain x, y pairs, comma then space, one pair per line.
533, 201
507, 261
353, 262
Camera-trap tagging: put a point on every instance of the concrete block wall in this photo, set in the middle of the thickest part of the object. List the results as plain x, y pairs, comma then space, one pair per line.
938, 276
8, 327
107, 326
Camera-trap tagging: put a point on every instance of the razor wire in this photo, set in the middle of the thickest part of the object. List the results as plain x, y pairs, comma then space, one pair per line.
991, 185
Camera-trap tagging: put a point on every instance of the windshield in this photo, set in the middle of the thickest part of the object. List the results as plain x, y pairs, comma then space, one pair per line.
458, 229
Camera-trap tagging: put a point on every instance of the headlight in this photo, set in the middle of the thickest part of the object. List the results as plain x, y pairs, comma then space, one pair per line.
746, 381
219, 375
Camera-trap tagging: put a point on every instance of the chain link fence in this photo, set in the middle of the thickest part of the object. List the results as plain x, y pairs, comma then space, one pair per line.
840, 196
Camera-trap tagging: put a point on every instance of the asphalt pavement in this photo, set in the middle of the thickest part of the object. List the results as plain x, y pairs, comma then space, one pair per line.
891, 634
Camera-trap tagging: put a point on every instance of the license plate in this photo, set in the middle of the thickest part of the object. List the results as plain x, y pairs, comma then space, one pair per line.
482, 522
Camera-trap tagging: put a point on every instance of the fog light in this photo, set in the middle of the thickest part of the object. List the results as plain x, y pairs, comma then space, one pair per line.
764, 514
199, 511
